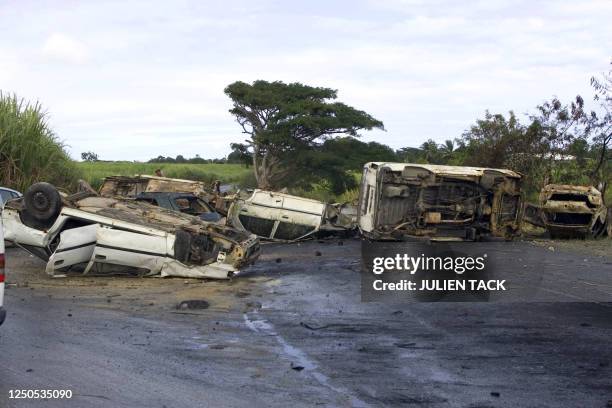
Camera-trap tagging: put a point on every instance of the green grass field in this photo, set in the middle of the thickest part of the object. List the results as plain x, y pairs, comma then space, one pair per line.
95, 172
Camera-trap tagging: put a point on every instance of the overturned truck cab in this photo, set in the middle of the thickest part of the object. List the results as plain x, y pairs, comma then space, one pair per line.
399, 201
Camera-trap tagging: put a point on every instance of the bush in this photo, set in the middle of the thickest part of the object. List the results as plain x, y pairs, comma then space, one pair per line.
247, 180
29, 150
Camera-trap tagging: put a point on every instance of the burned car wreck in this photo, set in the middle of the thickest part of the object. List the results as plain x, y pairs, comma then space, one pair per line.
400, 201
94, 234
270, 215
132, 186
569, 211
187, 196
285, 218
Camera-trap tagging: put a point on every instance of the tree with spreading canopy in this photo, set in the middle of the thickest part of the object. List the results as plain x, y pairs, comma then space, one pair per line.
283, 121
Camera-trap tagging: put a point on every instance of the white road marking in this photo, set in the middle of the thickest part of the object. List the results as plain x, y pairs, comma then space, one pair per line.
263, 327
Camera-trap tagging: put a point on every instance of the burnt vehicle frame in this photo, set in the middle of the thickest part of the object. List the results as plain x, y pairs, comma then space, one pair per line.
571, 211
272, 216
145, 186
284, 217
400, 201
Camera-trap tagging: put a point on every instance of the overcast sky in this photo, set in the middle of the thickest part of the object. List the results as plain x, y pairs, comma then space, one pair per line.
133, 80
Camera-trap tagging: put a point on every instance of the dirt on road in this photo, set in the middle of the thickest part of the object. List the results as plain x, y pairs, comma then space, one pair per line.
292, 331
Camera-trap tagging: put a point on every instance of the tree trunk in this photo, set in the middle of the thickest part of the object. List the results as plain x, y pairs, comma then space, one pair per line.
602, 157
264, 178
256, 165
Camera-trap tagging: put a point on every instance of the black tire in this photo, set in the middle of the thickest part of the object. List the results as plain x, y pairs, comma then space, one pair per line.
182, 246
43, 204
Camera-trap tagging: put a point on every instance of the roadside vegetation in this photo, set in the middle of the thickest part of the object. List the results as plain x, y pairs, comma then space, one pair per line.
29, 150
299, 139
94, 172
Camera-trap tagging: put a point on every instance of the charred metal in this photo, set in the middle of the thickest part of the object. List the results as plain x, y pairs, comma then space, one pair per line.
399, 200
570, 211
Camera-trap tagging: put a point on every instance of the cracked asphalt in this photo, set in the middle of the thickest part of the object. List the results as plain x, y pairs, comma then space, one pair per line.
292, 331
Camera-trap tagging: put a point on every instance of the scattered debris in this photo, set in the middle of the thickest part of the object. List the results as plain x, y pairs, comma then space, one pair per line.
309, 327
243, 294
404, 345
193, 305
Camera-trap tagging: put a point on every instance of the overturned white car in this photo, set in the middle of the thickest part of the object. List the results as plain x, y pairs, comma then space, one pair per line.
286, 218
96, 235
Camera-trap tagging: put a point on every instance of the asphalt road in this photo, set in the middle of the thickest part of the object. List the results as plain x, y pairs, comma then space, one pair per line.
293, 332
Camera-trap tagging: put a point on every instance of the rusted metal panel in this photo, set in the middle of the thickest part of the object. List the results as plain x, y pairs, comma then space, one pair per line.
131, 186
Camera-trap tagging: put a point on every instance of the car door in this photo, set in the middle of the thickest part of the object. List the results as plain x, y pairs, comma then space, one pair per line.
76, 246
260, 212
298, 218
131, 249
5, 195
367, 196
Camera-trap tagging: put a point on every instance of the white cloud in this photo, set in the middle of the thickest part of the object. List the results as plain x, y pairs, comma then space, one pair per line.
132, 80
64, 48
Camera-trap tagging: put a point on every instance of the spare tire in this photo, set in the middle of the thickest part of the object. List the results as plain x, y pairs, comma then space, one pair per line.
43, 204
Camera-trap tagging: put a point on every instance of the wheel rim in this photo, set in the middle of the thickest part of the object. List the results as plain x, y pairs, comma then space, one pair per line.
40, 201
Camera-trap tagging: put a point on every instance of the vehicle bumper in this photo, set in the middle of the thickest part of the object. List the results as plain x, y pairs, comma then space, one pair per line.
579, 229
2, 314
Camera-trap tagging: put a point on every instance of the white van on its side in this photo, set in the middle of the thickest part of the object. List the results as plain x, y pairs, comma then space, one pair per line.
406, 201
